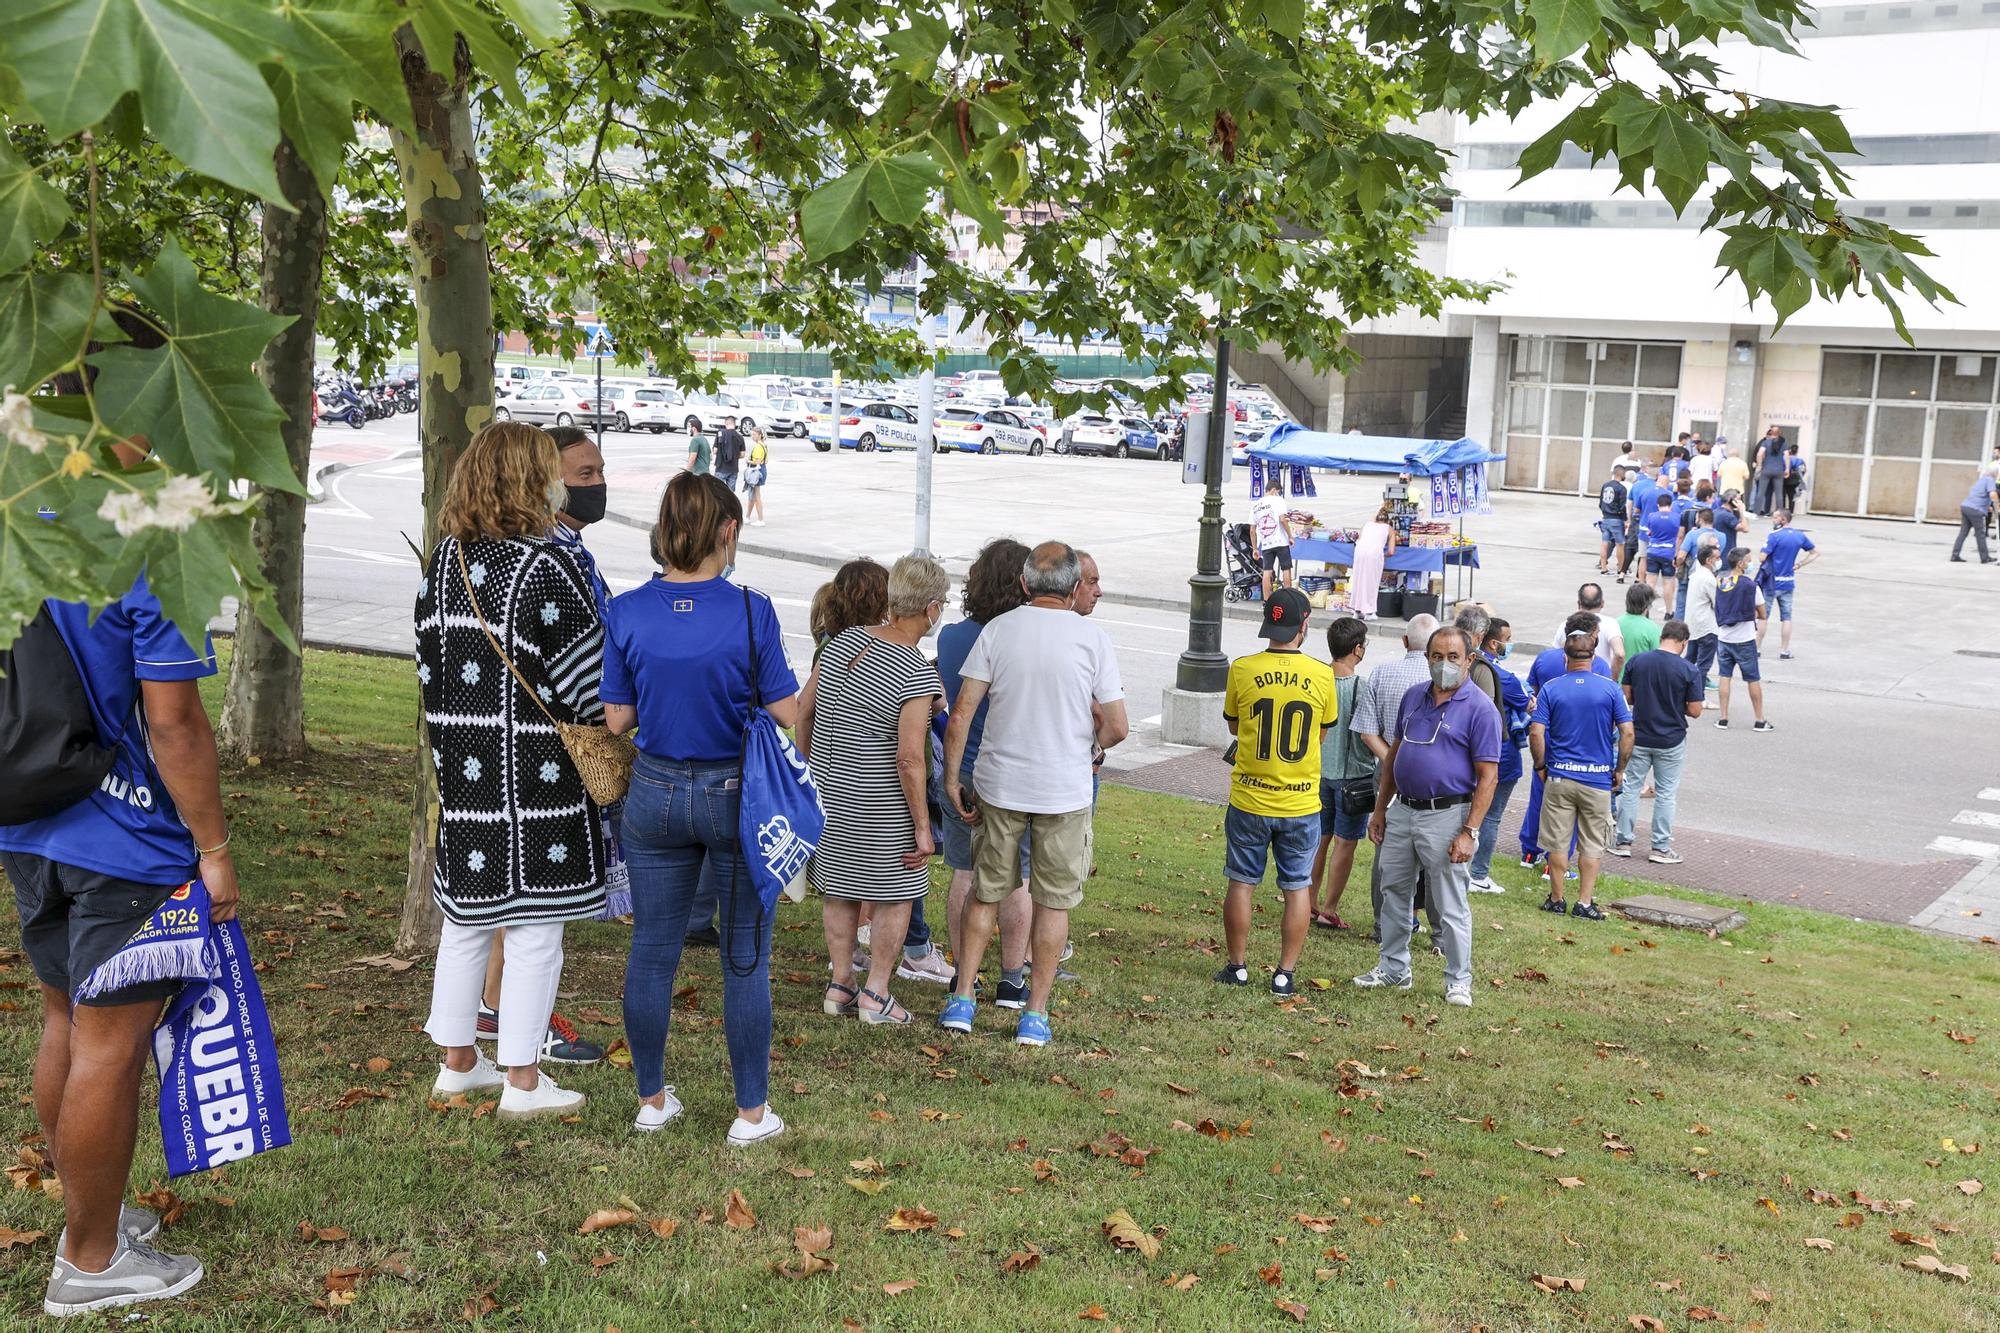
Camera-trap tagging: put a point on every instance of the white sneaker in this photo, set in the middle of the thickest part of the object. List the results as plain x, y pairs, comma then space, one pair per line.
1460, 995
931, 967
484, 1076
1376, 979
1484, 884
742, 1133
652, 1119
544, 1099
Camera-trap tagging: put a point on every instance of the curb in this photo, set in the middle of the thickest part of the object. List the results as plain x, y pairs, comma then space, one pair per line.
316, 480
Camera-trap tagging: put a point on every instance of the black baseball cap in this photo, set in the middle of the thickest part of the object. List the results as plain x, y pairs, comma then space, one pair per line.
1285, 615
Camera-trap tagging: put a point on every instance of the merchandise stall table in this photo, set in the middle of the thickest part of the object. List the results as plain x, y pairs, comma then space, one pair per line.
1463, 560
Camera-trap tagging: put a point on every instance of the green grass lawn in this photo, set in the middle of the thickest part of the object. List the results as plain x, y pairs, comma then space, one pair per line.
1357, 1162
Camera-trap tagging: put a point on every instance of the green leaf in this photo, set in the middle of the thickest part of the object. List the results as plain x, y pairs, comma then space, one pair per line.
44, 318
438, 25
770, 9
1373, 183
39, 557
1680, 160
318, 119
197, 398
902, 187
31, 209
835, 215
1578, 127
1562, 26
1286, 17
918, 46
542, 20
204, 101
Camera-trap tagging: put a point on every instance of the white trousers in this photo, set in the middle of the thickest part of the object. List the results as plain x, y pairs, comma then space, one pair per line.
527, 987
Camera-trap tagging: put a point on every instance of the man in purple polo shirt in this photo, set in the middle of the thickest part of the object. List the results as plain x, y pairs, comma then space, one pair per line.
1437, 781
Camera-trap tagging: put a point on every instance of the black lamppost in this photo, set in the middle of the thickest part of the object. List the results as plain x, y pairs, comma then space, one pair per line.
1204, 667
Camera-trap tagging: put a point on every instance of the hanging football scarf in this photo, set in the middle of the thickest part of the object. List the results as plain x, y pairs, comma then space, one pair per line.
1454, 494
1312, 491
1477, 500
1256, 478
221, 1097
1437, 495
617, 878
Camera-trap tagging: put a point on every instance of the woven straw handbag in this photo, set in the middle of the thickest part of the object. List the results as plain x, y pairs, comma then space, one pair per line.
602, 760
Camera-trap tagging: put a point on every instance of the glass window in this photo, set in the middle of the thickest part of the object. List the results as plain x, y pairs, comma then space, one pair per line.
1617, 363
1899, 433
1655, 417
1843, 428
1906, 377
1611, 415
1524, 409
1659, 367
1975, 387
1848, 375
1531, 359
1959, 435
1566, 412
1572, 364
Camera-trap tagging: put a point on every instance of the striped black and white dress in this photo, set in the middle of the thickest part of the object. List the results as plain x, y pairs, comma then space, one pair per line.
863, 684
518, 838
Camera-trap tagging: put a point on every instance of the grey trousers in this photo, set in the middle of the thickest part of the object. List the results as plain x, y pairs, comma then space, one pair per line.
1420, 840
1375, 893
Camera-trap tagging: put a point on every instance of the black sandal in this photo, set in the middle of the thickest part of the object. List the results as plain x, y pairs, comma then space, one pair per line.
838, 1008
888, 1011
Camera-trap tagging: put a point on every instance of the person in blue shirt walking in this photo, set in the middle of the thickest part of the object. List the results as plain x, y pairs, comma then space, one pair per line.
1662, 530
1701, 530
1786, 552
1639, 495
1972, 512
1497, 645
1581, 736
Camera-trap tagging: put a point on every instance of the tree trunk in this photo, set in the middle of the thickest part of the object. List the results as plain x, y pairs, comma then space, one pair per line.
445, 206
263, 711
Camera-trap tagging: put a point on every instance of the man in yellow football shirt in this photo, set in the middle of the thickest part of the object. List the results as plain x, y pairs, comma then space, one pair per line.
1278, 704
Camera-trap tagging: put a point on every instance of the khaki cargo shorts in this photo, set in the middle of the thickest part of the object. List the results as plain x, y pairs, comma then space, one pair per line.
1058, 862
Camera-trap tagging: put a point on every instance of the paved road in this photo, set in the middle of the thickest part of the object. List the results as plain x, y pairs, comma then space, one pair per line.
1886, 761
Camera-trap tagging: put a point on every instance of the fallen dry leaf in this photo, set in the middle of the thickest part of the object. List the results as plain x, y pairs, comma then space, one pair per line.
1770, 1206
1760, 1296
911, 1220
663, 1227
1701, 1314
1020, 1261
1554, 1284
1546, 1152
800, 1172
1569, 1182
736, 1212
605, 1218
1297, 1310
1126, 1234
1094, 1313
1818, 1243
898, 1288
9, 1237
1271, 1274
1645, 1323
604, 1261
1181, 1281
1969, 1187
1929, 1263
868, 1186
324, 1235
1908, 1238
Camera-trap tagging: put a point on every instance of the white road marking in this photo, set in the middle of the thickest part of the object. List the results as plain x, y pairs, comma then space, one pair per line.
1977, 818
1990, 794
1964, 847
411, 468
366, 557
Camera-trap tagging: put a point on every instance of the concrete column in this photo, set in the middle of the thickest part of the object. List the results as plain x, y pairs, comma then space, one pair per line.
1742, 361
1330, 412
1486, 389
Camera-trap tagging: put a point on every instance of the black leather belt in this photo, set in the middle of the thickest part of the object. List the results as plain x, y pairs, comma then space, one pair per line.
1436, 802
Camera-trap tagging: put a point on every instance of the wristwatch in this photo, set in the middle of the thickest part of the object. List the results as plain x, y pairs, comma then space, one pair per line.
1472, 829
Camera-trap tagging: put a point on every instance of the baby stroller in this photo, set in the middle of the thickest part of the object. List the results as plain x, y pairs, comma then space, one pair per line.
1246, 571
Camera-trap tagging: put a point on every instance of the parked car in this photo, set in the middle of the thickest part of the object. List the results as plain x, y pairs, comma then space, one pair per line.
704, 411
996, 430
881, 424
768, 405
632, 406
1120, 437
553, 403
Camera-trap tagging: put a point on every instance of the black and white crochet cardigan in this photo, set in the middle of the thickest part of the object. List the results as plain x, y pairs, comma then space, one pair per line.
519, 839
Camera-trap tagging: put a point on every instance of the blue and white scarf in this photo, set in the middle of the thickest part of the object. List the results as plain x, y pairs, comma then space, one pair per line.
221, 1096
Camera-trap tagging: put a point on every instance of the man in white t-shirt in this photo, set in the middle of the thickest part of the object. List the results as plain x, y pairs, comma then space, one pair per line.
1610, 638
1273, 532
1701, 467
1054, 705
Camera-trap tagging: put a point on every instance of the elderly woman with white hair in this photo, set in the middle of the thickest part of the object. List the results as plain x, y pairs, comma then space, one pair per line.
1973, 510
865, 723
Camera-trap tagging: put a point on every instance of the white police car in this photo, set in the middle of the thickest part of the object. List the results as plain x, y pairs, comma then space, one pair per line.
880, 425
991, 430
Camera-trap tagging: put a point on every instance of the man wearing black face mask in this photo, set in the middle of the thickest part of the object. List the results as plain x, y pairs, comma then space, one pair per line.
583, 504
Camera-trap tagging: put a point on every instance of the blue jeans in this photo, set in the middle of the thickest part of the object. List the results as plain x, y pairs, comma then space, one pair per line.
1489, 830
1681, 596
1665, 766
1253, 839
1701, 653
680, 818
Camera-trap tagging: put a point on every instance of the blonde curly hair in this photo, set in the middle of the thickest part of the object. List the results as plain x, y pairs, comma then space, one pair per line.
501, 485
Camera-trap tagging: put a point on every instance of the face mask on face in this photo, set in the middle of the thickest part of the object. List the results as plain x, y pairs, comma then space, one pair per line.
931, 625
1446, 675
1504, 650
585, 504
558, 494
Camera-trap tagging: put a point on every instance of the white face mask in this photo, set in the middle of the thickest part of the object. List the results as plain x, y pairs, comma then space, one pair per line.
558, 495
931, 625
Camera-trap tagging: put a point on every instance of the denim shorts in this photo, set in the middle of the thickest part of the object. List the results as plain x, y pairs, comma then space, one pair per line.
1253, 839
1659, 564
1611, 530
1739, 655
1782, 597
1335, 824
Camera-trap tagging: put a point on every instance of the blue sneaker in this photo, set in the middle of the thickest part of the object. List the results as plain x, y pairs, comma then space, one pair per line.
958, 1012
1032, 1030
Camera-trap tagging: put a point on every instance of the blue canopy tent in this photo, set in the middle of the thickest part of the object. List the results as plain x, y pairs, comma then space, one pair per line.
1292, 445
